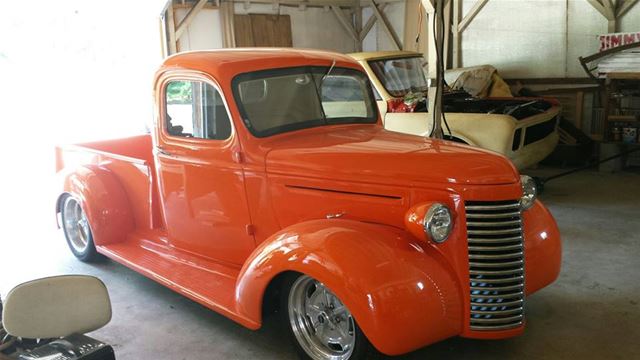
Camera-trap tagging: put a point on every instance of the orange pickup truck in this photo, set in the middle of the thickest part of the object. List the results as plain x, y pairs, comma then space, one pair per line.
269, 179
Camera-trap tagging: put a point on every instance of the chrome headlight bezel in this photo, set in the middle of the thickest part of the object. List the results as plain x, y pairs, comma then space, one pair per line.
529, 192
438, 223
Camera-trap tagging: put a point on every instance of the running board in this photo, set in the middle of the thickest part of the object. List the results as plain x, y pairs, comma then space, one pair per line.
205, 282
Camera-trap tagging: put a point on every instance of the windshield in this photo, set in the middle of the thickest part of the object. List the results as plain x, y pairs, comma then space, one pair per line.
400, 76
281, 100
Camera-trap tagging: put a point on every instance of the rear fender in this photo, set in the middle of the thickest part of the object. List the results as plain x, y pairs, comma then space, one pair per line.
402, 293
104, 201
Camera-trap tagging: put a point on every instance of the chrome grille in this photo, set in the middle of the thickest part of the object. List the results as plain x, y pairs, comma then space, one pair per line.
496, 264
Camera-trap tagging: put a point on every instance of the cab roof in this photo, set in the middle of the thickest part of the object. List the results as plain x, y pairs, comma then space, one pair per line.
224, 64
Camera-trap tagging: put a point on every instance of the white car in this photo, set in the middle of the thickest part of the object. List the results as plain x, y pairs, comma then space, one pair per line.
523, 129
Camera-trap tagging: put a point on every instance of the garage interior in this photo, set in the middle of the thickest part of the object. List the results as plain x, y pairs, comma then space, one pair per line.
89, 66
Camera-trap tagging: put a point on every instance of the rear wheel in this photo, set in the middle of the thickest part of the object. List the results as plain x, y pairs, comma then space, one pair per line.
77, 230
321, 326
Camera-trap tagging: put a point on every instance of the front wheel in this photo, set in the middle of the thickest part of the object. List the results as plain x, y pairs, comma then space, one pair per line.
77, 230
320, 325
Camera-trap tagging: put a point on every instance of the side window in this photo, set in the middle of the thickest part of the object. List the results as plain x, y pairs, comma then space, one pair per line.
195, 109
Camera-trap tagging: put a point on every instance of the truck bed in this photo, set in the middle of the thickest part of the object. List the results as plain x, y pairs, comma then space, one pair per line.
130, 159
136, 148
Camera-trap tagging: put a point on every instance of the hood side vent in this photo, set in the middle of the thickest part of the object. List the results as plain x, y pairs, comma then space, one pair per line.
383, 196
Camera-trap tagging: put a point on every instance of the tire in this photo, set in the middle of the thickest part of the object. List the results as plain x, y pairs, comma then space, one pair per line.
77, 230
328, 333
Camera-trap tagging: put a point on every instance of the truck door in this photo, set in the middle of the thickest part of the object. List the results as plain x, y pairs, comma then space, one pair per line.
201, 186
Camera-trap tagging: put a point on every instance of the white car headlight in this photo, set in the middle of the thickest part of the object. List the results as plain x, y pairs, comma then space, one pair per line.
438, 222
529, 192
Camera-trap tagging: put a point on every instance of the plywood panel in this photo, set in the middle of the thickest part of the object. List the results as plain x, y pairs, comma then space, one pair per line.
243, 30
312, 28
271, 30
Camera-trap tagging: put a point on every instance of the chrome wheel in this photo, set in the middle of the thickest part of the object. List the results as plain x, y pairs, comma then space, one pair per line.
322, 325
76, 225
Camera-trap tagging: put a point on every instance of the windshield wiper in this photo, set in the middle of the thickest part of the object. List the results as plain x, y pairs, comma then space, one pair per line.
333, 64
318, 91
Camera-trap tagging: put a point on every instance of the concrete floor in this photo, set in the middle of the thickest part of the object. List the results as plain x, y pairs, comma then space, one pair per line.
591, 312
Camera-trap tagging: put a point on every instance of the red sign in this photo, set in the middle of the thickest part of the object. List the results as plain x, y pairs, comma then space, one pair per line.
609, 41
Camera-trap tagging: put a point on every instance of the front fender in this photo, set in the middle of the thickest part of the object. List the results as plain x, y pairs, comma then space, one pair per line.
103, 199
543, 248
403, 294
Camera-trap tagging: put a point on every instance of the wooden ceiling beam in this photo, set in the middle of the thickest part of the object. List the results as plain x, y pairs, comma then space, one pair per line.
372, 21
610, 9
625, 6
318, 3
386, 25
345, 22
467, 19
193, 12
600, 8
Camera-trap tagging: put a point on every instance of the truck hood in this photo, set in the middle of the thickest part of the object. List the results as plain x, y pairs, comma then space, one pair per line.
371, 154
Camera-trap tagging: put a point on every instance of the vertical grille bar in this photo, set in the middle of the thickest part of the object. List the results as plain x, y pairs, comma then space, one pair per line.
496, 264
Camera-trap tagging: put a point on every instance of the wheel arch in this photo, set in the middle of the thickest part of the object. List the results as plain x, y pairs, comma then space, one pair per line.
403, 297
103, 199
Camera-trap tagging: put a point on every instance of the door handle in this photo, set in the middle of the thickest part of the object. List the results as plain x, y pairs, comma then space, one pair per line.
162, 151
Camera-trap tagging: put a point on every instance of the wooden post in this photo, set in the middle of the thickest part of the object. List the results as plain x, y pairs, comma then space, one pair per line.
163, 34
171, 29
459, 24
457, 45
415, 32
357, 18
612, 11
447, 32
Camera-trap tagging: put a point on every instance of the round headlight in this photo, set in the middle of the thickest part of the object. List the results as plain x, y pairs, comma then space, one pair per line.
529, 192
438, 222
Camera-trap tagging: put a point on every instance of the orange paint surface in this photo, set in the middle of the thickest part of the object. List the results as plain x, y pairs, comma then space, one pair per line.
217, 221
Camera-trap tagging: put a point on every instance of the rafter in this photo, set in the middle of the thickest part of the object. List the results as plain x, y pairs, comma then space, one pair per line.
193, 12
601, 9
610, 9
386, 26
344, 21
372, 21
467, 19
625, 6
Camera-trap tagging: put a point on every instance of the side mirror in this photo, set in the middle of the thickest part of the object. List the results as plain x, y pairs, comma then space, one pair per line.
56, 306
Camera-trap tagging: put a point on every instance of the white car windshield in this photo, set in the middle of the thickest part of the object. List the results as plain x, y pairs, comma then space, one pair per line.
400, 76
